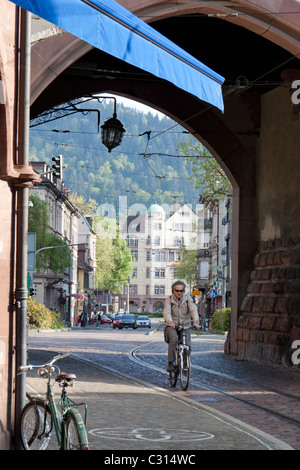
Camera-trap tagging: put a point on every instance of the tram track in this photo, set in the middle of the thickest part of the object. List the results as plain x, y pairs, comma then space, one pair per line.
133, 355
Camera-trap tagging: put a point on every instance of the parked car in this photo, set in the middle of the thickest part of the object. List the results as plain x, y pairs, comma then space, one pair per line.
110, 315
142, 321
116, 320
127, 321
105, 319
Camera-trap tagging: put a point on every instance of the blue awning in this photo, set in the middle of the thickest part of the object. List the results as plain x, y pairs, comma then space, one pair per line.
110, 27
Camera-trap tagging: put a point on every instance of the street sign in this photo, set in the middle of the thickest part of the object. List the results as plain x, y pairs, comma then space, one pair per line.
79, 296
196, 292
217, 267
212, 293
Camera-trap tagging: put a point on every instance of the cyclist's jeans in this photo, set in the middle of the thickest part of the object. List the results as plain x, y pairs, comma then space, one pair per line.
172, 336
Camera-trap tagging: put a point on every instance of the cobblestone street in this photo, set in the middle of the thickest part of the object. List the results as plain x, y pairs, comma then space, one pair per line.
229, 404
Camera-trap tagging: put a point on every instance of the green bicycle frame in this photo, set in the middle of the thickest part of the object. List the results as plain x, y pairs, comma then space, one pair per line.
59, 419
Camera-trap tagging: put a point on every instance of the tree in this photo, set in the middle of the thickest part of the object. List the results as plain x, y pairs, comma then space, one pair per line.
122, 262
188, 266
57, 260
82, 205
113, 258
113, 263
207, 175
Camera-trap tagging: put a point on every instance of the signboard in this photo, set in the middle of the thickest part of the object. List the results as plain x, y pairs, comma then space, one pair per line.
31, 251
196, 292
79, 296
212, 293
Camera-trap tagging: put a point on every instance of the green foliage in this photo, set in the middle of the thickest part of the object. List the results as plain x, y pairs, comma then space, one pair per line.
93, 172
112, 255
121, 262
188, 266
56, 259
221, 320
207, 175
38, 220
39, 316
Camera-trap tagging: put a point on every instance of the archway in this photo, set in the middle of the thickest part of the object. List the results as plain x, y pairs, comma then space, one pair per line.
233, 138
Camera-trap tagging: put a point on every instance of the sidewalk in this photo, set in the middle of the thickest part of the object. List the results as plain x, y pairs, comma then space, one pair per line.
125, 414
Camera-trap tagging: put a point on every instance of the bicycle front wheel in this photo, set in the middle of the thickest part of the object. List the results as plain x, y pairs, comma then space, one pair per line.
76, 436
185, 369
37, 432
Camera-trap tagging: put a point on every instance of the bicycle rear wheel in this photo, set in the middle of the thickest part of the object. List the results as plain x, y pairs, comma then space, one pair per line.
76, 436
185, 369
37, 432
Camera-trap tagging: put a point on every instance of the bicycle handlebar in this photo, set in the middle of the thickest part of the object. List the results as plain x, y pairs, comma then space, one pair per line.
49, 363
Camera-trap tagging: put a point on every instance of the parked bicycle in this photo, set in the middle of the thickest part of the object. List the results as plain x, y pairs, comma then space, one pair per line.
46, 425
183, 361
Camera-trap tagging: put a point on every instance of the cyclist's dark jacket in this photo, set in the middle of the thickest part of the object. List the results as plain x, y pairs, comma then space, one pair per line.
180, 311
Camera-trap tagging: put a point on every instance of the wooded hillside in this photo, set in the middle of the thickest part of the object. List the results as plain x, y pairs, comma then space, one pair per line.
146, 168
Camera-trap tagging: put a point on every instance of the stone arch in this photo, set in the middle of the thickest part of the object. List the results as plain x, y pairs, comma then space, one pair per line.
232, 138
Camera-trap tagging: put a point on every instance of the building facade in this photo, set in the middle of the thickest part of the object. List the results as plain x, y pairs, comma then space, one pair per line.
155, 239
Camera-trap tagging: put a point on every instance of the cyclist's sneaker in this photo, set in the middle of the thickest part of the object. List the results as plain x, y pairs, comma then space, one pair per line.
170, 368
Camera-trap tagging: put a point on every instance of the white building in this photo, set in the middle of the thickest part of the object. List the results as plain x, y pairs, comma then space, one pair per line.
155, 239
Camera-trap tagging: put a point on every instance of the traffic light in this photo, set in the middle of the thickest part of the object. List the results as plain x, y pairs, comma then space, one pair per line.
32, 291
58, 167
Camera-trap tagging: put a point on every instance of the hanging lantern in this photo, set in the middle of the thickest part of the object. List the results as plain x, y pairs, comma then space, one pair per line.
112, 133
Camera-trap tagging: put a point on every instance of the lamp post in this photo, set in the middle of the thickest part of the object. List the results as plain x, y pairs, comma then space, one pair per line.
128, 282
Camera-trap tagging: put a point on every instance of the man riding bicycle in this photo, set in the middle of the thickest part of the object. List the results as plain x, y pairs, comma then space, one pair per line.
178, 310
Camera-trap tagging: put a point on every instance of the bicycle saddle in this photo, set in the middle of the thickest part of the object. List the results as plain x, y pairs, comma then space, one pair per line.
64, 376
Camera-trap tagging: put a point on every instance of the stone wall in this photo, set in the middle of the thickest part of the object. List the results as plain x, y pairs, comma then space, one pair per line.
270, 313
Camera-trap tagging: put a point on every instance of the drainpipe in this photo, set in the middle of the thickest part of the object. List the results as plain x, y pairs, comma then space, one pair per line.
22, 220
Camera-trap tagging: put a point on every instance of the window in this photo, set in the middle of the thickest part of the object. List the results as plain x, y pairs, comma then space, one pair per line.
86, 281
178, 241
203, 269
132, 241
147, 273
160, 272
171, 256
160, 256
133, 289
134, 254
159, 290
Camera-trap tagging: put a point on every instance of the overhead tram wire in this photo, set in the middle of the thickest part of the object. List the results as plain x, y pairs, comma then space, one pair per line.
229, 95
